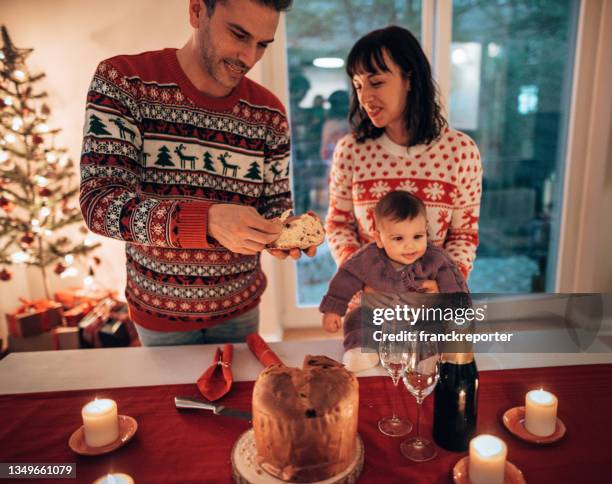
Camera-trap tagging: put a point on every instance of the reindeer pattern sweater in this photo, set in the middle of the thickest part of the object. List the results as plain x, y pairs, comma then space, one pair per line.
446, 175
157, 153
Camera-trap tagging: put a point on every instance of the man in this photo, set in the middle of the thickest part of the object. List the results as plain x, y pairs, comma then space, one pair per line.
187, 161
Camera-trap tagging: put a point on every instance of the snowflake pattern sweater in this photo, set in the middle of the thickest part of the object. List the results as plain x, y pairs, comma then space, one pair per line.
446, 175
157, 153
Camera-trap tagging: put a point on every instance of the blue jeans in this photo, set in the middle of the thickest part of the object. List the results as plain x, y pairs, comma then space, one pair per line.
231, 331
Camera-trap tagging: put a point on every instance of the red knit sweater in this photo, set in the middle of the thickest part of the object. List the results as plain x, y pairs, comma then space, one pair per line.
156, 154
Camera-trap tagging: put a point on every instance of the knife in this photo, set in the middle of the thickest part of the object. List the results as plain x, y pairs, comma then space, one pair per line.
193, 403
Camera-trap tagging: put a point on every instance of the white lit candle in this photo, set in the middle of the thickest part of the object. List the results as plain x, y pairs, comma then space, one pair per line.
487, 460
101, 422
540, 412
117, 478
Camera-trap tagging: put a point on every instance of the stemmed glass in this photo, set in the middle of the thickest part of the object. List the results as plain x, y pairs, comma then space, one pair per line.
394, 358
420, 378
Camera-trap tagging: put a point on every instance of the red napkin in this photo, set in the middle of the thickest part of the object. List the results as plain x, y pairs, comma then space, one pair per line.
217, 380
262, 351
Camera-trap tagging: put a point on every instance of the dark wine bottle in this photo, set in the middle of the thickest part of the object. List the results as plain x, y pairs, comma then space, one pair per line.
456, 402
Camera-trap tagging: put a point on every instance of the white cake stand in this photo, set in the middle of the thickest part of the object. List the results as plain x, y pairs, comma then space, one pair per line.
246, 470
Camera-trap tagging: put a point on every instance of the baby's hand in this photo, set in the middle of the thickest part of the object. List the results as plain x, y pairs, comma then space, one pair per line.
331, 322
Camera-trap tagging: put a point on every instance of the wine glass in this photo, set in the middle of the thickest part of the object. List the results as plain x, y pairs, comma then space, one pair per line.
420, 378
394, 358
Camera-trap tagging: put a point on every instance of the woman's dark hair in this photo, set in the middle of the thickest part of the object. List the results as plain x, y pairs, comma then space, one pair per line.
399, 206
422, 114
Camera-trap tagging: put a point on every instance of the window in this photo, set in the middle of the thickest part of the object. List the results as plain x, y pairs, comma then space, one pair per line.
511, 68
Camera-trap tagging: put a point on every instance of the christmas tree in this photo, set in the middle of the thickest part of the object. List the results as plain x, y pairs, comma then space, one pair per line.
38, 185
208, 162
254, 173
163, 157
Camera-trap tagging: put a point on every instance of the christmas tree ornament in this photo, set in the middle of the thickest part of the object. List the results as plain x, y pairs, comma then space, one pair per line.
6, 204
45, 192
27, 239
59, 268
12, 57
5, 274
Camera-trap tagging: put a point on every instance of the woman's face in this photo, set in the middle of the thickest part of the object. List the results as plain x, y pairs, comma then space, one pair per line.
383, 95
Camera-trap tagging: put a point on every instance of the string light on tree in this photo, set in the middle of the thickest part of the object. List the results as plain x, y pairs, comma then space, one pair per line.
38, 197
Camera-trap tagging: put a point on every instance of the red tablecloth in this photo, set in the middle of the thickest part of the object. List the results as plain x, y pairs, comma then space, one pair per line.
182, 447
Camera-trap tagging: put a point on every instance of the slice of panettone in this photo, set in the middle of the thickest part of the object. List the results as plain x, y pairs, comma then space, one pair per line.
299, 232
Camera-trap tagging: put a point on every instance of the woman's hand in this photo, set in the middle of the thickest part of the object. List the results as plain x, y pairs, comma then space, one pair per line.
381, 299
430, 287
331, 322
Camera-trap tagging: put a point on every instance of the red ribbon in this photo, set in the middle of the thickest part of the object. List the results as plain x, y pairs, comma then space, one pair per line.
262, 351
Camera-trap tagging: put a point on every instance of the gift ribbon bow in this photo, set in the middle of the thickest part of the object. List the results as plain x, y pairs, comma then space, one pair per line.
262, 351
217, 380
39, 305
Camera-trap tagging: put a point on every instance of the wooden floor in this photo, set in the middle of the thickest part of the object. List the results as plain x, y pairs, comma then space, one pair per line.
309, 333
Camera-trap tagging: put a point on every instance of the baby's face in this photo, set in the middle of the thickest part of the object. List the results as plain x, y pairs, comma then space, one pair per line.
405, 241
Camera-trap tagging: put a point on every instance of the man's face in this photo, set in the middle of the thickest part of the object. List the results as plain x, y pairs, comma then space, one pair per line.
232, 39
404, 242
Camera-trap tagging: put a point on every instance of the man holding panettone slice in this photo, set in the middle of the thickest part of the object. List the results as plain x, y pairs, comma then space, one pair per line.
187, 161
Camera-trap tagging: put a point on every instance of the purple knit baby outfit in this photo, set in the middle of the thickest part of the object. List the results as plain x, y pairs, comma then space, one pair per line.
371, 267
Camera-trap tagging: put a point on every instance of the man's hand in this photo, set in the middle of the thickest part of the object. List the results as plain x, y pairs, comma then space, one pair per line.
241, 229
331, 322
430, 286
294, 253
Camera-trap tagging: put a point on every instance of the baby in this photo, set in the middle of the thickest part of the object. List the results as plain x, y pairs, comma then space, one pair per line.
399, 261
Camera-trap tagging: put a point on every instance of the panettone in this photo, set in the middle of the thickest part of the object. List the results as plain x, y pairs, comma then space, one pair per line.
305, 420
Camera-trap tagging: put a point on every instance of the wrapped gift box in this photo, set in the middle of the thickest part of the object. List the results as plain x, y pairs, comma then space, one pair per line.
61, 338
73, 316
90, 325
114, 333
74, 296
34, 317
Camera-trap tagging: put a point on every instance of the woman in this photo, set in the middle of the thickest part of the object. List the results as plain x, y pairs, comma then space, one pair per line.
399, 140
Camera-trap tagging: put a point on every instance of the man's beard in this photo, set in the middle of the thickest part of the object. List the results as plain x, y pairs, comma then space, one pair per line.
215, 69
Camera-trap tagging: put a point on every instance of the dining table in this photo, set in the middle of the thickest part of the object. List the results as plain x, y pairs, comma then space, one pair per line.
42, 394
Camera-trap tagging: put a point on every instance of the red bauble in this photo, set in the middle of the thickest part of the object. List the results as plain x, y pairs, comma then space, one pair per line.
45, 192
2, 104
5, 275
59, 268
27, 239
37, 139
6, 204
97, 260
